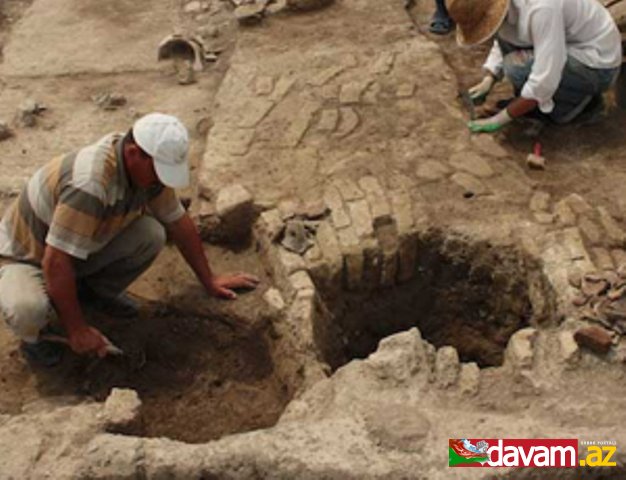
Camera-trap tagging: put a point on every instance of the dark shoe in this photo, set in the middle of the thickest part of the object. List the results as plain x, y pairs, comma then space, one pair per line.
43, 353
122, 306
440, 25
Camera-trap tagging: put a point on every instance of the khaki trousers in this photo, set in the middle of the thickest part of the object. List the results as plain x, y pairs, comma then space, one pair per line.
24, 303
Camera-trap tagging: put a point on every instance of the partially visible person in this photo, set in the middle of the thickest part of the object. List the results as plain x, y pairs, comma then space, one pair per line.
441, 23
87, 224
560, 55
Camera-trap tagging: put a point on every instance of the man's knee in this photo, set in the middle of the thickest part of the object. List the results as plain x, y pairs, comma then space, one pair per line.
153, 235
24, 303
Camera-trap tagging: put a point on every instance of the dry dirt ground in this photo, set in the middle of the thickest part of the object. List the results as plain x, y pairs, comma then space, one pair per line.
353, 100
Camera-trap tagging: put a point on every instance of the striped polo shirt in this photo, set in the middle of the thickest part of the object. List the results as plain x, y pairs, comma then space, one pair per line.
78, 203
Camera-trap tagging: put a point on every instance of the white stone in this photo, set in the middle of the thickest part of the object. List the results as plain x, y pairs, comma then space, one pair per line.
274, 300
469, 379
519, 352
122, 410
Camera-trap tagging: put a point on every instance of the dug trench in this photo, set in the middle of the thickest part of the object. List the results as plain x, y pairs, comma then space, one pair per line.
470, 295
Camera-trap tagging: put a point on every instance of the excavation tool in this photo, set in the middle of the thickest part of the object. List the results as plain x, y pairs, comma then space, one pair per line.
110, 348
535, 160
468, 103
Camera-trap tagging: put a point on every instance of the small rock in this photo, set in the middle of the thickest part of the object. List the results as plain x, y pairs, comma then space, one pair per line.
596, 339
568, 348
519, 352
249, 14
5, 131
447, 366
535, 162
27, 113
122, 411
109, 101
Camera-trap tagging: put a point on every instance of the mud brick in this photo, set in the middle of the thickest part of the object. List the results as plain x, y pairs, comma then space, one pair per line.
379, 205
619, 257
331, 251
564, 214
544, 218
361, 218
388, 240
578, 204
353, 257
469, 183
349, 189
301, 281
590, 230
573, 244
372, 264
407, 256
338, 212
596, 339
351, 92
432, 170
472, 164
615, 234
489, 146
540, 202
602, 259
402, 210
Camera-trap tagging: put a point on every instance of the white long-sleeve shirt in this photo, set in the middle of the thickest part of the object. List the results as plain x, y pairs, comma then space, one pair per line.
555, 29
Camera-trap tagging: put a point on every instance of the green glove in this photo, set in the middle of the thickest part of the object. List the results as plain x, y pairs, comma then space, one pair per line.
491, 124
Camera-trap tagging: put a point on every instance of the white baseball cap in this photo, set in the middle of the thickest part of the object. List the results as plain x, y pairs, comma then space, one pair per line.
166, 140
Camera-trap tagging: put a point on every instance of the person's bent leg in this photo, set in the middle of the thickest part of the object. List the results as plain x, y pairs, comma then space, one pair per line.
110, 271
517, 65
441, 22
26, 310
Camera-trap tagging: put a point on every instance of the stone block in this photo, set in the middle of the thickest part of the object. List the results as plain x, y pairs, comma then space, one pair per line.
578, 204
353, 258
573, 244
447, 367
590, 230
564, 214
432, 170
338, 213
235, 209
569, 352
540, 202
379, 205
469, 379
289, 262
471, 163
400, 357
602, 259
351, 92
274, 300
269, 226
122, 412
519, 352
402, 211
594, 338
470, 184
348, 189
614, 233
331, 251
301, 281
249, 14
361, 218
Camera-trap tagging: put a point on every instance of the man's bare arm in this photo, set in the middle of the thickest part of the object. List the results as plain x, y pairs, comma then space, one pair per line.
60, 278
187, 239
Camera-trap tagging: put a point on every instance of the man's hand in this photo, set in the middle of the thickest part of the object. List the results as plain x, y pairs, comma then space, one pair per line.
87, 340
222, 286
490, 124
478, 93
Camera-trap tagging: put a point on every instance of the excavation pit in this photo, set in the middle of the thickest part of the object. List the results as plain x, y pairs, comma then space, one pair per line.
199, 378
472, 296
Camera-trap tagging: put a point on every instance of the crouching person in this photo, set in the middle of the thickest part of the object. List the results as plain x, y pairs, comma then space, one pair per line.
79, 231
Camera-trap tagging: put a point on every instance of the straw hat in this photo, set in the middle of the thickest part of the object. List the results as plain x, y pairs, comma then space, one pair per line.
477, 20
